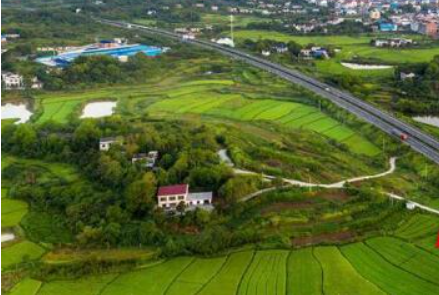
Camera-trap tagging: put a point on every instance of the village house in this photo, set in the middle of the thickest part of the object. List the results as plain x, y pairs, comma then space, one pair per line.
35, 83
168, 197
12, 81
280, 48
392, 42
404, 76
428, 28
314, 52
106, 143
146, 160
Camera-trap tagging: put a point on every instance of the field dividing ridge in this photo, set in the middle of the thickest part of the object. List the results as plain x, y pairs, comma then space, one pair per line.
388, 277
339, 277
226, 282
304, 273
266, 274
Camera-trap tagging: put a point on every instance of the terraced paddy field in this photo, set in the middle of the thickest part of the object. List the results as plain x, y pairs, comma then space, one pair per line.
366, 268
420, 230
289, 114
220, 98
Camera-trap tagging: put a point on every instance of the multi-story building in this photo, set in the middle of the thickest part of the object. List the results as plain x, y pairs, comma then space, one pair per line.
12, 81
428, 28
168, 197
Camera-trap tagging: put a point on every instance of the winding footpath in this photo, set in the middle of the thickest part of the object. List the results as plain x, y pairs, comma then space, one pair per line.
292, 182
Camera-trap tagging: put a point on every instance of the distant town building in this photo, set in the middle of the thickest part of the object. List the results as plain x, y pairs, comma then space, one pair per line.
314, 52
374, 14
428, 28
188, 36
392, 42
280, 48
106, 143
388, 27
168, 197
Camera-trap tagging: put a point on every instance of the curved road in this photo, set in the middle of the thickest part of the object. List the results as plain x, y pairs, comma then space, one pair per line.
292, 182
417, 140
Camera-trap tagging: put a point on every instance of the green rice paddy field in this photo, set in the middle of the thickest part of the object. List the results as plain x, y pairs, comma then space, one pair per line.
377, 266
214, 98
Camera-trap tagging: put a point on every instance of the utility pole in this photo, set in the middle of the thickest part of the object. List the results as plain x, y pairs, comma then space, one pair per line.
231, 30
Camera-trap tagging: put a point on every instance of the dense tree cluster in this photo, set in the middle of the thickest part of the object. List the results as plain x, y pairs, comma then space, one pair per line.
115, 204
89, 70
423, 87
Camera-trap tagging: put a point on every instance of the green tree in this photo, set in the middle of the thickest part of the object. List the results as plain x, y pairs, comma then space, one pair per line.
25, 139
140, 195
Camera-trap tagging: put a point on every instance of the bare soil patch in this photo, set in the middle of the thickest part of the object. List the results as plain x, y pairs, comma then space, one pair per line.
335, 237
281, 206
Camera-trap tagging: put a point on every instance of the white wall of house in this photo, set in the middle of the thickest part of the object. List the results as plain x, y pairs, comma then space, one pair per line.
171, 201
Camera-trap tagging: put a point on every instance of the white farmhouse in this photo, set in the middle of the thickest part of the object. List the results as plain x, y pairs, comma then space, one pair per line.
12, 81
105, 143
168, 197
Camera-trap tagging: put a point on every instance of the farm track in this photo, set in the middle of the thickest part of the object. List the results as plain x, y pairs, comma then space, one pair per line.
419, 141
293, 182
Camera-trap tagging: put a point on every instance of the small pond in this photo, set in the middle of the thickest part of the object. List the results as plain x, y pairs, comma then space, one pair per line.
6, 237
430, 120
354, 66
16, 111
98, 109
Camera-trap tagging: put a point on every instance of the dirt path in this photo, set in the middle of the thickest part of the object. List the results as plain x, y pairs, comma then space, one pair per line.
340, 184
292, 182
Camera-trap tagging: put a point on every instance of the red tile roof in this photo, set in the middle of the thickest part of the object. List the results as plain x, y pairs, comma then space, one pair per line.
178, 189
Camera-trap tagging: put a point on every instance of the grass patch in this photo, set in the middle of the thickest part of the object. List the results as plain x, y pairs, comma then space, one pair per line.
89, 285
27, 287
12, 210
67, 256
46, 227
20, 252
